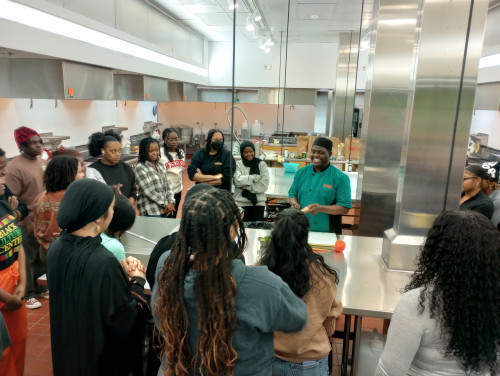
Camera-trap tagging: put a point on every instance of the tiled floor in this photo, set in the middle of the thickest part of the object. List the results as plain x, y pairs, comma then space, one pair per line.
38, 353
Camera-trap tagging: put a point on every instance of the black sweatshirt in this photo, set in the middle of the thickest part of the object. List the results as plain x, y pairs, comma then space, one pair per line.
222, 162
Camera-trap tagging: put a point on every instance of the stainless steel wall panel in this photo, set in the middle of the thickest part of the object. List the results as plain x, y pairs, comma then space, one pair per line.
387, 109
88, 82
155, 89
128, 87
133, 17
345, 87
31, 78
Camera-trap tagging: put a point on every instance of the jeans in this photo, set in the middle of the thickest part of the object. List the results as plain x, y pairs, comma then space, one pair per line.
308, 368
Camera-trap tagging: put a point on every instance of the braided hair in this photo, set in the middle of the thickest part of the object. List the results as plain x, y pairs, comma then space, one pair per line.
203, 245
60, 173
164, 135
290, 256
458, 270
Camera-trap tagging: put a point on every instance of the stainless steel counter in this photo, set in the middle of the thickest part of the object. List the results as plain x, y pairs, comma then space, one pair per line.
281, 181
366, 288
140, 240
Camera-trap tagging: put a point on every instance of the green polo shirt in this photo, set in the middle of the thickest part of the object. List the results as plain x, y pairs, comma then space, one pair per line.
328, 187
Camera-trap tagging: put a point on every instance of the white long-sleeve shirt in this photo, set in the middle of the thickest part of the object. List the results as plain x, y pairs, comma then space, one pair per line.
414, 343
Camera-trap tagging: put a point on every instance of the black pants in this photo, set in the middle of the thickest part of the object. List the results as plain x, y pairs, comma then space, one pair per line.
253, 213
34, 265
177, 197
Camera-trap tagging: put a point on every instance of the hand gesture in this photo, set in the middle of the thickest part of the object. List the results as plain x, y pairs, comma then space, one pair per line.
13, 202
133, 267
312, 209
14, 303
170, 208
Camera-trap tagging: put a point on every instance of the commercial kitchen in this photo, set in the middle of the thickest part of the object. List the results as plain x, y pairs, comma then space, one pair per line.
409, 90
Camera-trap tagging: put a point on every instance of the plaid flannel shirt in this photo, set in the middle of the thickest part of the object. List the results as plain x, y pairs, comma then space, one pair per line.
154, 188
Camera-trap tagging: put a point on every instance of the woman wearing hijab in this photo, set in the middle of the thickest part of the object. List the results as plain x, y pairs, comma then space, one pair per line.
213, 164
491, 188
251, 180
96, 304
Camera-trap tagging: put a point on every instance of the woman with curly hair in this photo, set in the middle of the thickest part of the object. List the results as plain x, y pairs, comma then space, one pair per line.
290, 256
216, 315
447, 322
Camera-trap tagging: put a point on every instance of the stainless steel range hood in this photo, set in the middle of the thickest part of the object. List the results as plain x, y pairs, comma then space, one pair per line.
135, 87
54, 79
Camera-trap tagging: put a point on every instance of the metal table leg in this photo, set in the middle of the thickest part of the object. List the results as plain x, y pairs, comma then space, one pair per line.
345, 344
355, 345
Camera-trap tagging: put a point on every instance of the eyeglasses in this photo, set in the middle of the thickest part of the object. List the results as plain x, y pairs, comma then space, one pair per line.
471, 177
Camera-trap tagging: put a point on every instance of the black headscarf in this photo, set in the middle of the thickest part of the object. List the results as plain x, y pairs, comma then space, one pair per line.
254, 163
85, 200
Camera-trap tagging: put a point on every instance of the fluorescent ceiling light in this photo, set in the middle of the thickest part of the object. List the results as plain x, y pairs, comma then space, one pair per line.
489, 61
43, 21
250, 26
232, 4
257, 17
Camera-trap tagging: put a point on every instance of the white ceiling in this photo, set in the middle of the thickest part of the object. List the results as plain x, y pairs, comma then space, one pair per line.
310, 20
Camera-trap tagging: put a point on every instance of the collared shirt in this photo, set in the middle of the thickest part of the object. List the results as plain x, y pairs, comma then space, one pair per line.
154, 189
328, 187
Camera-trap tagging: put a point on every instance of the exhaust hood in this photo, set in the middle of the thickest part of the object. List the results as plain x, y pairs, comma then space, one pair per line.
134, 87
54, 79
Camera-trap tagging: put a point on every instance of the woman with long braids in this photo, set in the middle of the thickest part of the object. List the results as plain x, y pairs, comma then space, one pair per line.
448, 322
216, 315
291, 257
174, 160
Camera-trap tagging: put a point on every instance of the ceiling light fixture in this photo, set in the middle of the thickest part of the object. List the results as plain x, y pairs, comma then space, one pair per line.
34, 18
257, 17
232, 4
250, 25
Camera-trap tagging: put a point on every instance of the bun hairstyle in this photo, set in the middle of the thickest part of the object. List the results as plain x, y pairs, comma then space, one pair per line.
98, 141
290, 256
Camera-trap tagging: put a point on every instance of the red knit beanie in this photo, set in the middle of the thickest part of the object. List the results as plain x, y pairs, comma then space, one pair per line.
23, 134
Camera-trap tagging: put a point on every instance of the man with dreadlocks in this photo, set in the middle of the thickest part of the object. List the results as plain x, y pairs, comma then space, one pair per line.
217, 316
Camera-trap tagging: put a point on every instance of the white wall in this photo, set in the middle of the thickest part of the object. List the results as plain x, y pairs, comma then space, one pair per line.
77, 119
310, 65
300, 118
487, 122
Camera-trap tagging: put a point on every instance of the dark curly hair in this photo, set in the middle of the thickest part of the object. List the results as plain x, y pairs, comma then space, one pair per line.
144, 147
60, 173
98, 140
180, 152
204, 245
290, 256
458, 270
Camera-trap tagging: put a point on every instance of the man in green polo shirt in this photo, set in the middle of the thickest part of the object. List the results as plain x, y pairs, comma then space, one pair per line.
321, 190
